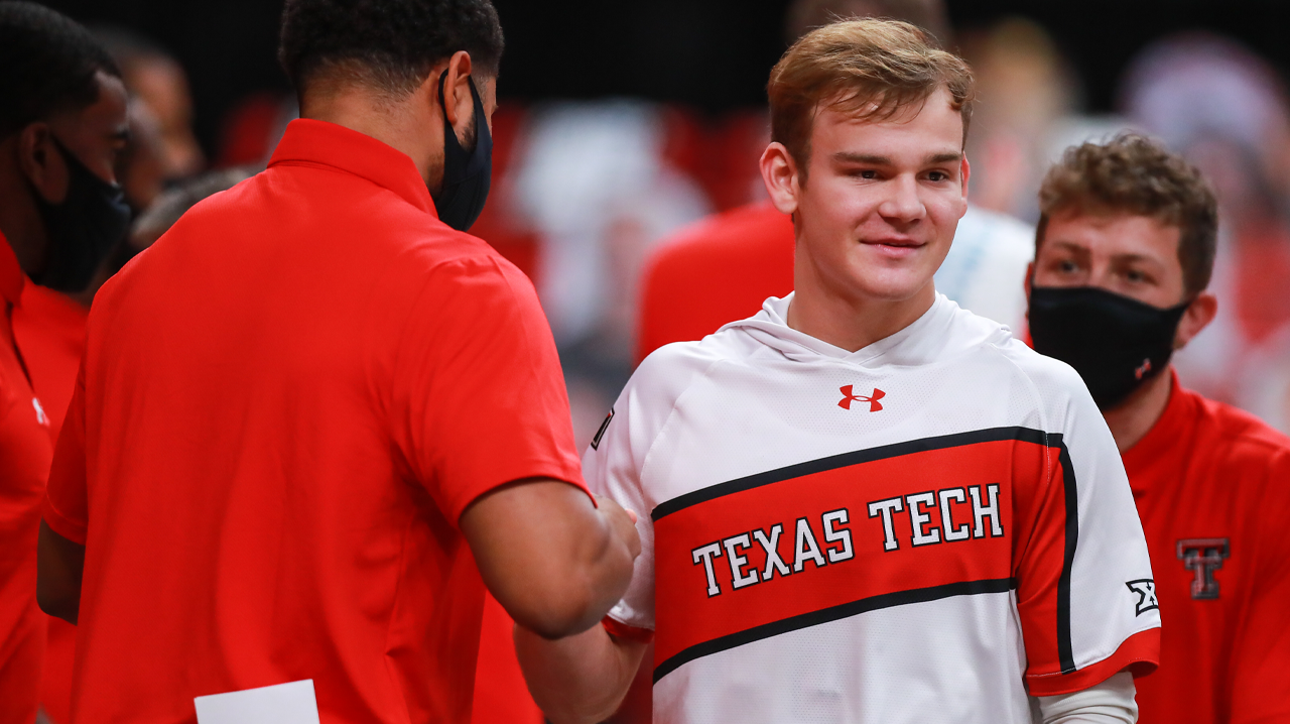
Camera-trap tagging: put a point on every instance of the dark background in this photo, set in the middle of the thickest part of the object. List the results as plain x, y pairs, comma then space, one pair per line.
711, 54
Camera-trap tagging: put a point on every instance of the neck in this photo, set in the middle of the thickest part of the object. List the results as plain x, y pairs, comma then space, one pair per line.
396, 124
850, 322
1131, 420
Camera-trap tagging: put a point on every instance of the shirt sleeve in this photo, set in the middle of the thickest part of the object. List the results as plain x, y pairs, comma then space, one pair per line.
1110, 702
613, 465
1086, 595
66, 508
478, 395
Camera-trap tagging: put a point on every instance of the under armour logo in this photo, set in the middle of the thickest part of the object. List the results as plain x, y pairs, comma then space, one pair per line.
41, 417
1204, 556
848, 398
1146, 590
1142, 371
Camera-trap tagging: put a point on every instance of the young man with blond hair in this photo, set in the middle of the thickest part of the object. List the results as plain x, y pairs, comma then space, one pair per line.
1125, 251
864, 504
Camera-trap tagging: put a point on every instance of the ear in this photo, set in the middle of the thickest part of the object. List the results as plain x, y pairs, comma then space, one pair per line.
458, 103
966, 173
42, 163
779, 173
1030, 274
1199, 314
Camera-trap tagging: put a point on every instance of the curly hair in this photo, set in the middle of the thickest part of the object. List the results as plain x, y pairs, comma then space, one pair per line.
870, 67
1135, 175
391, 44
49, 61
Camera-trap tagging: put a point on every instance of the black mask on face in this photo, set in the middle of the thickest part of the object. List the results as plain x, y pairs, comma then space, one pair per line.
466, 174
1113, 342
83, 229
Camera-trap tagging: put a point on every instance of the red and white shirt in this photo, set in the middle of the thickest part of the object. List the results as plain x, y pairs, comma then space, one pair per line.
939, 522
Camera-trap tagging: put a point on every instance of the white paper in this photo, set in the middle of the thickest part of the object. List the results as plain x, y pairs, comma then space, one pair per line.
292, 703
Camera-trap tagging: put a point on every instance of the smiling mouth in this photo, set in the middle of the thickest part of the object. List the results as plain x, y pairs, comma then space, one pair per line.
894, 243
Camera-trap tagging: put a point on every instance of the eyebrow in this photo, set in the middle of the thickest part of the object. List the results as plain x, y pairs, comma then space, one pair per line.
872, 160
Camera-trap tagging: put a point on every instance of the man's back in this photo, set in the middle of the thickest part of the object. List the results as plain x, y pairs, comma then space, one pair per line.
268, 397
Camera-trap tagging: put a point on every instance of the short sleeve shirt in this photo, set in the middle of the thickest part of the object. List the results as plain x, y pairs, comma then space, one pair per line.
1212, 484
25, 448
285, 405
937, 522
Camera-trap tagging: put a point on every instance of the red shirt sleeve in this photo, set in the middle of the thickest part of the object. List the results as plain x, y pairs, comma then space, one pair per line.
65, 507
479, 398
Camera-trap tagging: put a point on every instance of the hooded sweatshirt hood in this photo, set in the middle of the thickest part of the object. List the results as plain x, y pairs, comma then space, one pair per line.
943, 329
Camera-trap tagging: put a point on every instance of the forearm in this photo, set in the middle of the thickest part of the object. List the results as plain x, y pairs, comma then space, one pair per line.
580, 679
59, 567
1110, 702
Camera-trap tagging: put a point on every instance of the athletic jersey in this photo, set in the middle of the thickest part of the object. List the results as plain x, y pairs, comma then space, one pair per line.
1212, 485
924, 530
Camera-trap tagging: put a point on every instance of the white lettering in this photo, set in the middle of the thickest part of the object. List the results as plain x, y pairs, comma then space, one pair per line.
832, 535
706, 554
964, 531
981, 512
773, 561
919, 520
810, 550
885, 508
738, 578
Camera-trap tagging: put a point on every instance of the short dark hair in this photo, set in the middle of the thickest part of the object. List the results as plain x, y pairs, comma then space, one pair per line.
393, 44
1133, 174
47, 65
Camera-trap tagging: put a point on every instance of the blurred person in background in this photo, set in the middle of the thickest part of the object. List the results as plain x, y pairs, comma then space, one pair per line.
724, 267
156, 79
1226, 110
310, 381
62, 125
1125, 251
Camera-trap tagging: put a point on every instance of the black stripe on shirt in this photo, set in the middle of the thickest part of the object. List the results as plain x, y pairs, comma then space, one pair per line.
833, 613
994, 434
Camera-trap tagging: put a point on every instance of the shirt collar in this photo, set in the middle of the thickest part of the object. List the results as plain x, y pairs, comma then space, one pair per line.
1162, 440
11, 277
312, 141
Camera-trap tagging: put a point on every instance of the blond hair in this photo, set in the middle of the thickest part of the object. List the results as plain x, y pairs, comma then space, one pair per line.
871, 68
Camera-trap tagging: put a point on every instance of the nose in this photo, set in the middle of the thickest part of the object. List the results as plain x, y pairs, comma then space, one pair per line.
903, 203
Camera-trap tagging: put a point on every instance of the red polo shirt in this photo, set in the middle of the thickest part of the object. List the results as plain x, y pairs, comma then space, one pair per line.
1212, 485
50, 329
716, 271
25, 447
285, 405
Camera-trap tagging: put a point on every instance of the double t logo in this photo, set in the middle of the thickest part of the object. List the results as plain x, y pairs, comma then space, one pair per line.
1204, 556
848, 397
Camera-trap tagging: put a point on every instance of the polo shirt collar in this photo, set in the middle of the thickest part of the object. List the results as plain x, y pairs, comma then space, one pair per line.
11, 277
312, 141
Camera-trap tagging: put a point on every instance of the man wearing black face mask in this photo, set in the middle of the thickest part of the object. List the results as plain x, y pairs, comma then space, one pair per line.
62, 122
1125, 250
316, 420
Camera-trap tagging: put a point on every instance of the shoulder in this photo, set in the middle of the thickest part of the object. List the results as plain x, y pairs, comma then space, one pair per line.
669, 371
1242, 437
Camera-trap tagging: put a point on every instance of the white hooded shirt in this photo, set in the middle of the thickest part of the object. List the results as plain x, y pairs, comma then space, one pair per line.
926, 530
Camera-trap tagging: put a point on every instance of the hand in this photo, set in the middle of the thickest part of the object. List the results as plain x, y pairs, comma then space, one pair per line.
622, 521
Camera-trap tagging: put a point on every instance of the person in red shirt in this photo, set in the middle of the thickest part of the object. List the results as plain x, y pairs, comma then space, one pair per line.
1125, 251
62, 123
315, 419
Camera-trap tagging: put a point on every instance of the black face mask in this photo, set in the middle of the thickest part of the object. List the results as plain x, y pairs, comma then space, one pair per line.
466, 174
82, 230
1113, 342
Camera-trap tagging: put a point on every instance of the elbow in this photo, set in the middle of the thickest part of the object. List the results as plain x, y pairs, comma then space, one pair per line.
579, 599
